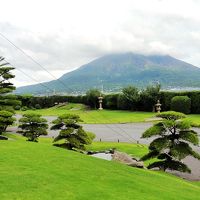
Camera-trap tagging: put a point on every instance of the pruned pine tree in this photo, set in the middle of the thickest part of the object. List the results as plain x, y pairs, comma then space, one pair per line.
71, 132
6, 101
32, 126
172, 144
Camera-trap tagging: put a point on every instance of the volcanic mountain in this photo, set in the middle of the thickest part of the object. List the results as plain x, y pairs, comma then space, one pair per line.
115, 71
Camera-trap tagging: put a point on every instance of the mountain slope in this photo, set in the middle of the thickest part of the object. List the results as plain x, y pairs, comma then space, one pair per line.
117, 70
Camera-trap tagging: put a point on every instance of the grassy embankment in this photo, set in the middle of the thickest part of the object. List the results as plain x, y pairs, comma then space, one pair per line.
41, 171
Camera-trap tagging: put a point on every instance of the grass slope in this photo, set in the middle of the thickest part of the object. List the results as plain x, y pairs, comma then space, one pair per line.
36, 171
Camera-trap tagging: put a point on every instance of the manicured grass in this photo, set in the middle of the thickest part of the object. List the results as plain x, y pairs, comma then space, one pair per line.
94, 116
104, 116
36, 171
136, 150
194, 119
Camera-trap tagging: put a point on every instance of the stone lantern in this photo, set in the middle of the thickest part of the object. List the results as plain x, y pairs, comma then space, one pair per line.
158, 106
100, 102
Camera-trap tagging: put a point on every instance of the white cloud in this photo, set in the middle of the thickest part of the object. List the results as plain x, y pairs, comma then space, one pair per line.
63, 34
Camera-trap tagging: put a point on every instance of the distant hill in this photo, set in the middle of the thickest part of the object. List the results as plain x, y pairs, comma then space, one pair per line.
118, 70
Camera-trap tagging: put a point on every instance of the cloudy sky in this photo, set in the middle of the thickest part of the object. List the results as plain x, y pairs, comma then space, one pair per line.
64, 34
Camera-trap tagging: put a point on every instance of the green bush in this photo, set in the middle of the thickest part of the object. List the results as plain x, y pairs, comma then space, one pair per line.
17, 107
24, 108
37, 106
181, 104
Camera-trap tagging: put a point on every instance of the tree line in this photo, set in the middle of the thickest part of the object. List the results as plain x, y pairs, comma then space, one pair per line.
130, 98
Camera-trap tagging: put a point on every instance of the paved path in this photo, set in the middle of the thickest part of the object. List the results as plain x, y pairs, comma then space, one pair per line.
130, 132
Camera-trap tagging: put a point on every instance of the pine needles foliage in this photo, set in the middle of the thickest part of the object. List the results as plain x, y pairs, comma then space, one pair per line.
172, 144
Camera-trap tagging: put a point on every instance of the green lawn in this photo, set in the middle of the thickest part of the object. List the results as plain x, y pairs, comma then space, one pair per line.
104, 116
94, 116
194, 119
136, 150
39, 171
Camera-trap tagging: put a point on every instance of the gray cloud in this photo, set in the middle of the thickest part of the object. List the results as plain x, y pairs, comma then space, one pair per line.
142, 32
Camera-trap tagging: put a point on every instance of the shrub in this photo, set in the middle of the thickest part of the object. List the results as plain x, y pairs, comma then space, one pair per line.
6, 119
72, 133
17, 107
181, 104
37, 106
131, 96
92, 98
32, 126
24, 108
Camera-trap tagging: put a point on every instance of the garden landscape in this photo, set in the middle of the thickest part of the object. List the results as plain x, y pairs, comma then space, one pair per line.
98, 100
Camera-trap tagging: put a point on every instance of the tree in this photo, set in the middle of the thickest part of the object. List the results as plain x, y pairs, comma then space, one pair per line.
6, 119
181, 104
149, 97
130, 95
92, 97
7, 101
173, 142
73, 134
32, 126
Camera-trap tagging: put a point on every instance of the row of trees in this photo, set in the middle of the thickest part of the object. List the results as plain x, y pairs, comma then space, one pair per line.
33, 125
129, 99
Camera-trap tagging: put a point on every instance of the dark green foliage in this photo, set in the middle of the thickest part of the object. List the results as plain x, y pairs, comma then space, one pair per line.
24, 108
130, 96
110, 101
7, 101
2, 137
92, 98
37, 106
171, 165
149, 97
32, 126
6, 119
18, 107
166, 97
6, 75
147, 100
73, 134
181, 104
173, 142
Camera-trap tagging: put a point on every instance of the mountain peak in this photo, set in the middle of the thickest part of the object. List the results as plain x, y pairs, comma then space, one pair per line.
117, 70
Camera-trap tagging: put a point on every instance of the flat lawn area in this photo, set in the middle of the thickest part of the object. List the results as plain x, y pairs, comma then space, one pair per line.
94, 116
194, 119
40, 171
103, 116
